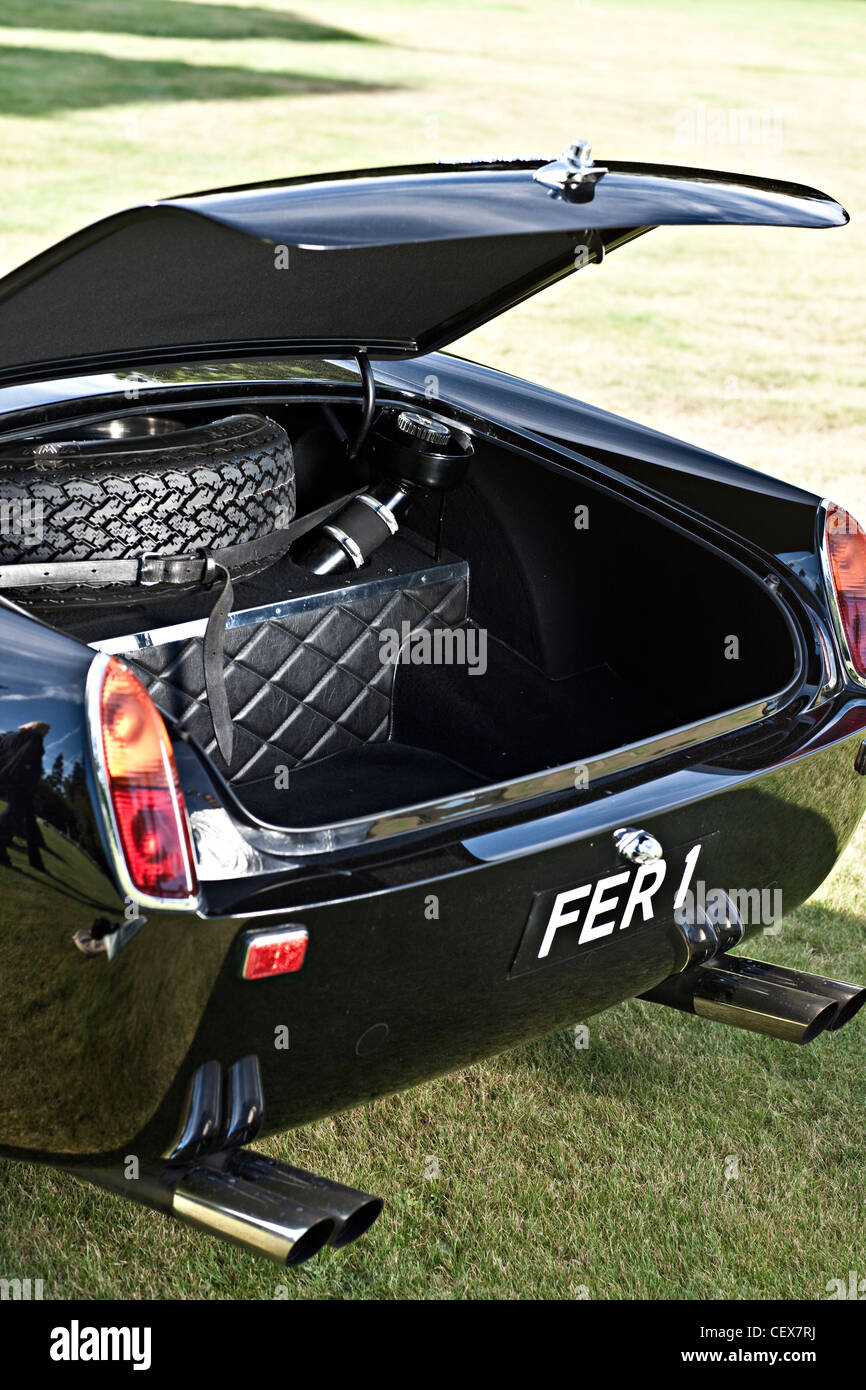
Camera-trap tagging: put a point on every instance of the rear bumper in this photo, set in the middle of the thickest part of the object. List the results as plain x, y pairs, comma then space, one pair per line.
408, 974
408, 971
412, 936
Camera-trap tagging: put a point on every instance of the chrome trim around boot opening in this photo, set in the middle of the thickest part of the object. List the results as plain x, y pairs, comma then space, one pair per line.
229, 842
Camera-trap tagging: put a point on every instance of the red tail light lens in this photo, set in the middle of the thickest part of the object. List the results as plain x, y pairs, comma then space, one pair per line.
277, 952
845, 555
140, 778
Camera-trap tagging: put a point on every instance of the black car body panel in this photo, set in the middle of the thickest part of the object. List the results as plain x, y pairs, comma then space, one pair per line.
98, 1060
390, 263
423, 915
177, 979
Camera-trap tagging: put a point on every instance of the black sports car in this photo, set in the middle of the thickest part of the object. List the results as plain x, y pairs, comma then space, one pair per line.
366, 711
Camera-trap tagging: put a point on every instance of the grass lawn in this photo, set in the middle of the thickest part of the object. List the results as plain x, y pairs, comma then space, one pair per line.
671, 1158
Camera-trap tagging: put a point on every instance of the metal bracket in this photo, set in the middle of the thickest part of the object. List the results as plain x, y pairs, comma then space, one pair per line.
574, 175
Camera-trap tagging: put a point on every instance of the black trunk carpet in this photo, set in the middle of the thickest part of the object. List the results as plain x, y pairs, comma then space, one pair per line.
357, 782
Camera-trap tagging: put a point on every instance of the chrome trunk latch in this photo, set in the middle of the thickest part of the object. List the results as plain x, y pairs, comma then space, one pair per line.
638, 846
574, 175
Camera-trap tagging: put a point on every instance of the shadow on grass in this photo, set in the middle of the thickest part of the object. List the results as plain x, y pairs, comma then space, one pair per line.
172, 19
38, 81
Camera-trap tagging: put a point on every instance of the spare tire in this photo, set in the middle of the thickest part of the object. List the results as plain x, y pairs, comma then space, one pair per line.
152, 485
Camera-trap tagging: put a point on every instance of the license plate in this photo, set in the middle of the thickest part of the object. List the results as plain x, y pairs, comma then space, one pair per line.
566, 922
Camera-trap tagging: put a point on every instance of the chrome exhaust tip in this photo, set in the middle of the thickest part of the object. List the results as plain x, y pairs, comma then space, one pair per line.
848, 999
357, 1222
749, 994
207, 1179
848, 1008
761, 1006
351, 1211
251, 1216
761, 998
263, 1206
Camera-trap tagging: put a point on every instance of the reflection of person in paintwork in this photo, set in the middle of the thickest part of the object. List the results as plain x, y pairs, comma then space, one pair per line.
21, 755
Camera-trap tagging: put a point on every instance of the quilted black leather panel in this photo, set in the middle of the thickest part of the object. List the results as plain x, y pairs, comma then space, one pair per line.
307, 683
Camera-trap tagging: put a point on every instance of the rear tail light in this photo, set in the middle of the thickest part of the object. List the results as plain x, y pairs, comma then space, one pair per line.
844, 554
138, 783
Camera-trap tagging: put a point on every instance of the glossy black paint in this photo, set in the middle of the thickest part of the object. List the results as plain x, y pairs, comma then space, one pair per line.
386, 997
394, 263
773, 514
98, 1054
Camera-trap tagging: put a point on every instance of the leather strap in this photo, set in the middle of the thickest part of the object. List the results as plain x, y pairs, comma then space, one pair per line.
194, 567
197, 567
213, 659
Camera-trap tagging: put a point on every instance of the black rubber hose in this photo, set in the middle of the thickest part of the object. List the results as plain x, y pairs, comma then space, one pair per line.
368, 383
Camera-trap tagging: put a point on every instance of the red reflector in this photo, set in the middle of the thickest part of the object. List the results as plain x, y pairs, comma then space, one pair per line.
274, 952
138, 770
845, 550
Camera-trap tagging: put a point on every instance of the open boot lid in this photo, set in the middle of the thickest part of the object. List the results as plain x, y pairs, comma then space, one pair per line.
393, 262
